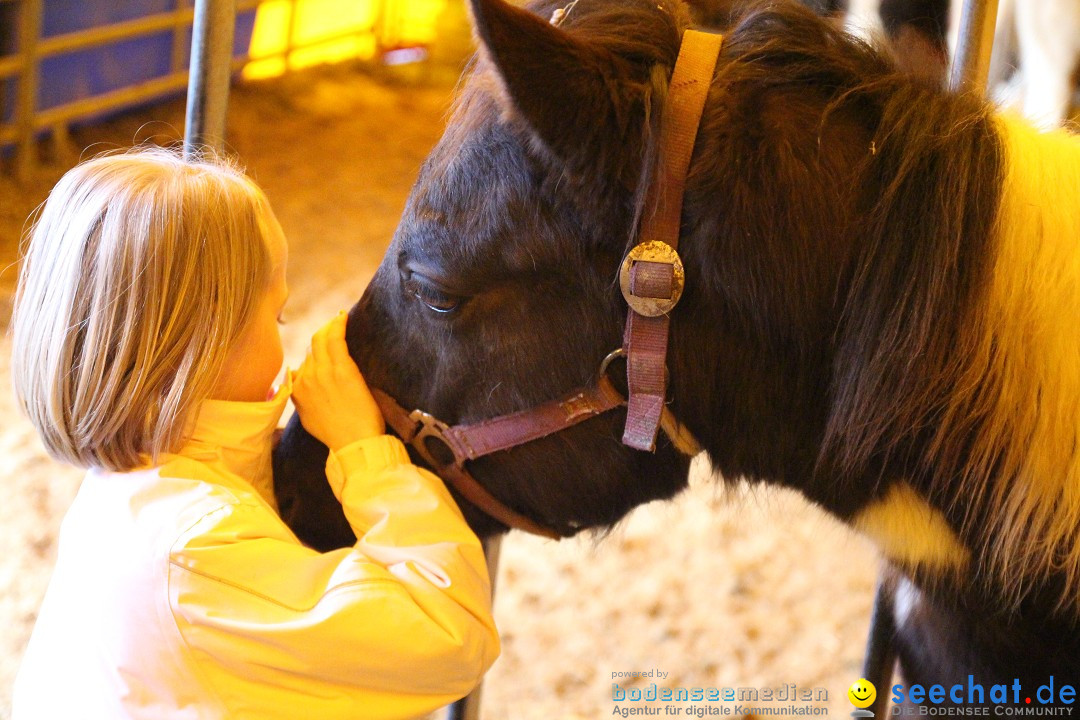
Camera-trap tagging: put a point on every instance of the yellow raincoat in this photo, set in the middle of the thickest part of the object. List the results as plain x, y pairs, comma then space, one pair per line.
179, 593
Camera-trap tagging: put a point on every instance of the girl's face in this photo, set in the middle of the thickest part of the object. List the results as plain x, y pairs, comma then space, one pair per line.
255, 359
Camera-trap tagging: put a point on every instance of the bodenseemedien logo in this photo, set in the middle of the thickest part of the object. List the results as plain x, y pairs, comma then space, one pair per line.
632, 698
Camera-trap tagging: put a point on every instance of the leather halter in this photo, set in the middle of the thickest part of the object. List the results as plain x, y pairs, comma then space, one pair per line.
651, 279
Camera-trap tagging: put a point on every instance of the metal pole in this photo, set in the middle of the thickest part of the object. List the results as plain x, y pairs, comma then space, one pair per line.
880, 658
971, 66
468, 707
208, 83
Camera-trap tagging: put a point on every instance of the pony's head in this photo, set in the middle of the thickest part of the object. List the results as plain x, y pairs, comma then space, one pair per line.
499, 290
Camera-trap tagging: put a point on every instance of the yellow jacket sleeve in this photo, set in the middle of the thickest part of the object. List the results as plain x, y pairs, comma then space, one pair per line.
394, 627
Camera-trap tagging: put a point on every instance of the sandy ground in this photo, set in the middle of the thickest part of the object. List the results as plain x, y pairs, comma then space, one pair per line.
716, 589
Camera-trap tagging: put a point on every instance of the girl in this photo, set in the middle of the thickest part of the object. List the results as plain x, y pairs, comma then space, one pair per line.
145, 345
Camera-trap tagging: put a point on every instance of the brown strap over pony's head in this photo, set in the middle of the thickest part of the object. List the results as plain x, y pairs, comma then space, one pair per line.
652, 273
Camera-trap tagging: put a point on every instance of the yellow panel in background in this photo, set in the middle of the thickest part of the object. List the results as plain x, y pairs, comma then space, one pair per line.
269, 36
316, 19
418, 19
403, 22
271, 28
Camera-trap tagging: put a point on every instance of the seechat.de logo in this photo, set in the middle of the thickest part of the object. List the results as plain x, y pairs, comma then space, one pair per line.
1010, 698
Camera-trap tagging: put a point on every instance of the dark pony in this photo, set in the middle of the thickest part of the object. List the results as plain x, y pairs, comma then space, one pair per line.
878, 310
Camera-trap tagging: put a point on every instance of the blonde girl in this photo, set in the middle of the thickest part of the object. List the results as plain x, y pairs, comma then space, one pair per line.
145, 346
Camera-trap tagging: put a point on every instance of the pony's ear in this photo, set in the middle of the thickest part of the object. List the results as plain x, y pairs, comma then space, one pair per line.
575, 97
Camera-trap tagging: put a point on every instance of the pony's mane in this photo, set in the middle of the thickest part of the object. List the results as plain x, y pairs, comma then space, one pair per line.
956, 362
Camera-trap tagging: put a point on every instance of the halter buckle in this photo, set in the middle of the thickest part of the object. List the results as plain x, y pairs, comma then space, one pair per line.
428, 428
660, 253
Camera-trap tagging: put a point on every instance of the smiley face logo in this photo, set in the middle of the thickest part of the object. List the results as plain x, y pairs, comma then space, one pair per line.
862, 693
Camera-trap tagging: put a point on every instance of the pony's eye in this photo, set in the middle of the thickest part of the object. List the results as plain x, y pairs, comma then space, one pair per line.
432, 297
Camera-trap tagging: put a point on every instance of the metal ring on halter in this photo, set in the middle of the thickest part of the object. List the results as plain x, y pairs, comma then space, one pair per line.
610, 358
621, 353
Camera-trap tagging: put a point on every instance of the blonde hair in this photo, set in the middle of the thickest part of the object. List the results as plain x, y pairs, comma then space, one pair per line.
140, 271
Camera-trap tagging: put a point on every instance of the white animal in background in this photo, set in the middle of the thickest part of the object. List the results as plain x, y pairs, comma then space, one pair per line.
1036, 55
1048, 39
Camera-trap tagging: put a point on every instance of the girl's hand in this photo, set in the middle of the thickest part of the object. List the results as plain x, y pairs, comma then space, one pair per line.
330, 394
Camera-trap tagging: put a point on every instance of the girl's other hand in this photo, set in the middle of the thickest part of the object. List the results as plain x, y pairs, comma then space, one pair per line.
330, 394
